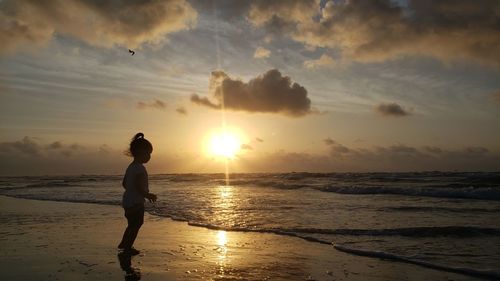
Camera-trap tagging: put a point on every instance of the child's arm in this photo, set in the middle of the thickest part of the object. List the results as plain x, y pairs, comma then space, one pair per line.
141, 184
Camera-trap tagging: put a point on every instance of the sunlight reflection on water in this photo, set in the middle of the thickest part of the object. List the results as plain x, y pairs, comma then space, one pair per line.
221, 238
226, 205
222, 250
225, 191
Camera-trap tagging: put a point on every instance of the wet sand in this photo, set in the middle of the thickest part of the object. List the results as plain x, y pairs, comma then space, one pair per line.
44, 240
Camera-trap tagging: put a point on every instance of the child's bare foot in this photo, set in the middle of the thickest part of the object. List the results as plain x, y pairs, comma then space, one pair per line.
131, 251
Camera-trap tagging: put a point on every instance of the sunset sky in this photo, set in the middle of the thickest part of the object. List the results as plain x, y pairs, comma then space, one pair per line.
326, 86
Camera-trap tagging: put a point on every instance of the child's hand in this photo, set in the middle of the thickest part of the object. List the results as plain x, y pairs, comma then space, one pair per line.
151, 197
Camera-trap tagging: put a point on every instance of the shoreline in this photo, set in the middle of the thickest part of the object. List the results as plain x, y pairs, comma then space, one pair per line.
63, 240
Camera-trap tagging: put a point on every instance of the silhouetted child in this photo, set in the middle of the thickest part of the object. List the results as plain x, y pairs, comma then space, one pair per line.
135, 183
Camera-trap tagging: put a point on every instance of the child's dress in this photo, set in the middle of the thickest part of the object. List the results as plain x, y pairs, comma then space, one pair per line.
132, 195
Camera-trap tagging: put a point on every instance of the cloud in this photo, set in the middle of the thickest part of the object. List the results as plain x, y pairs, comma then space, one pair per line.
264, 12
268, 93
31, 156
329, 141
31, 147
105, 149
476, 150
246, 147
335, 147
323, 61
181, 110
401, 157
203, 101
399, 149
391, 109
128, 23
27, 146
259, 140
55, 145
279, 18
261, 52
372, 31
156, 104
72, 149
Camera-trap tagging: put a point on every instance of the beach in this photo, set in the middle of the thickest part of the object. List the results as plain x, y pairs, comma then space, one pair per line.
47, 240
262, 140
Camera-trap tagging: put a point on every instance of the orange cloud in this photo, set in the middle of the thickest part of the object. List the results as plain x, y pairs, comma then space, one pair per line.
261, 52
323, 61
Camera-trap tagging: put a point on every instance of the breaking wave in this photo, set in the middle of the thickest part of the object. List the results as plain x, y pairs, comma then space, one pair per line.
490, 274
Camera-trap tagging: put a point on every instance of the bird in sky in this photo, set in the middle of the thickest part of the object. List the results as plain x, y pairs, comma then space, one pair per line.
132, 52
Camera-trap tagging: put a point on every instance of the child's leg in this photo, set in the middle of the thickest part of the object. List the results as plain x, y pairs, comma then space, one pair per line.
135, 218
126, 234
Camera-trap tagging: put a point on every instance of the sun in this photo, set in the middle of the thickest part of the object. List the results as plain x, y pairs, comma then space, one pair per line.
224, 144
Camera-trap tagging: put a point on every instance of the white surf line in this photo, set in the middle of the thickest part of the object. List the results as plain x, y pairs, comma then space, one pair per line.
486, 274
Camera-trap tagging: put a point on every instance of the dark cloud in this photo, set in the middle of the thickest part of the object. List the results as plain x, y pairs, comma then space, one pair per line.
329, 141
105, 149
204, 101
263, 12
130, 23
27, 146
268, 93
391, 109
279, 18
380, 30
181, 110
335, 147
29, 156
156, 104
246, 147
476, 150
55, 145
72, 149
402, 157
340, 149
399, 149
467, 152
259, 140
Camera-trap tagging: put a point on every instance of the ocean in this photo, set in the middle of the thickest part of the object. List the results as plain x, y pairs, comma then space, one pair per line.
449, 221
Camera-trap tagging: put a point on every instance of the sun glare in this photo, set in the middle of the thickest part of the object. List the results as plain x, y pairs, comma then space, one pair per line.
224, 144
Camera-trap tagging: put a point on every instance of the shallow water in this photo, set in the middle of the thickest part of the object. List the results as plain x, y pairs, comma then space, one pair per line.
448, 219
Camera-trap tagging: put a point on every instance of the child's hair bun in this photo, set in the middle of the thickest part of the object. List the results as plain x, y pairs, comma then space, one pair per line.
137, 144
